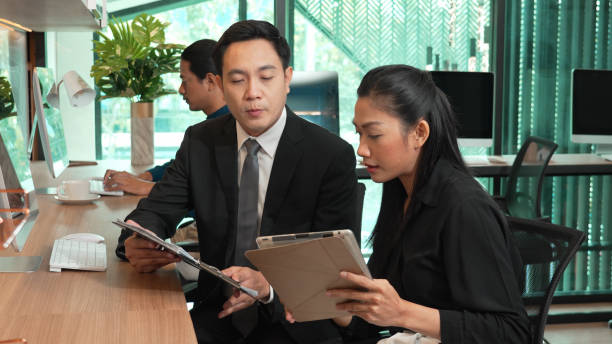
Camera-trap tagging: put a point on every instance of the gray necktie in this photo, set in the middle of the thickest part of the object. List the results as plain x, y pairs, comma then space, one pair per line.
247, 204
245, 320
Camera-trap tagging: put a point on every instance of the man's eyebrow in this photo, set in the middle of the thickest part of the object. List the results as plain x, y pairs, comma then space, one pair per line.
266, 67
236, 71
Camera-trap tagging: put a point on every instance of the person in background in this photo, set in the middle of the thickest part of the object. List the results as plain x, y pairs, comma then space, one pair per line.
261, 171
200, 92
443, 262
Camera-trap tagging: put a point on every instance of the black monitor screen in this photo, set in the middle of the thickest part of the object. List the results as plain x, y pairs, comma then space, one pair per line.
314, 97
471, 96
591, 102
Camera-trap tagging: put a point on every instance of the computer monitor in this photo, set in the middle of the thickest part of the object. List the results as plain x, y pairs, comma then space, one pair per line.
471, 97
314, 97
15, 175
592, 108
50, 125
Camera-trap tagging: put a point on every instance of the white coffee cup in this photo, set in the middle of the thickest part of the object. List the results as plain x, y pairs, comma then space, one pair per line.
74, 190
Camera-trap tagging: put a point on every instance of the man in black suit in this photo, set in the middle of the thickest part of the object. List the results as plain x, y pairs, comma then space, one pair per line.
306, 182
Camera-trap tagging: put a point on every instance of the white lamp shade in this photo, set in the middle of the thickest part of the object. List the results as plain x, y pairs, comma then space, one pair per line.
79, 93
53, 96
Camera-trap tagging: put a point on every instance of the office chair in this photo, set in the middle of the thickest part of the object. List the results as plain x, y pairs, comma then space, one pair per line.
543, 246
524, 187
190, 287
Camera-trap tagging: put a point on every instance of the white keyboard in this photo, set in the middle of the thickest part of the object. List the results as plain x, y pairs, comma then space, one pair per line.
78, 255
97, 187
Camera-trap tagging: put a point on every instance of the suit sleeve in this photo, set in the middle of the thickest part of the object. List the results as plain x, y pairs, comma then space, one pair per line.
168, 201
482, 279
337, 198
158, 171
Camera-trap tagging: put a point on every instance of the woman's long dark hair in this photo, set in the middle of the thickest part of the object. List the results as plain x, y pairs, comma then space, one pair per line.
411, 95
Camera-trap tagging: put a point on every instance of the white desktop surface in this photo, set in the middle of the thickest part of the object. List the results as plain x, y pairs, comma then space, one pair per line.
119, 305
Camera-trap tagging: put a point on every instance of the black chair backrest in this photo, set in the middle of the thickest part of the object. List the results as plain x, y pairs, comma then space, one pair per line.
524, 187
543, 247
361, 188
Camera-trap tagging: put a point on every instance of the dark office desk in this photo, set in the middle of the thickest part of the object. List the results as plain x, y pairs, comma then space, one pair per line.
560, 165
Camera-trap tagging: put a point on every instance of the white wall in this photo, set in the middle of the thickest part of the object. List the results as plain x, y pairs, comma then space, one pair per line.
72, 51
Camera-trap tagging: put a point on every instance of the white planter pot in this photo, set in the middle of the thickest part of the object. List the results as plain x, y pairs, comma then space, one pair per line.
142, 128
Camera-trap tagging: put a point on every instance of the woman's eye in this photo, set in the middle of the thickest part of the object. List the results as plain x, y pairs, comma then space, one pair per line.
237, 81
374, 136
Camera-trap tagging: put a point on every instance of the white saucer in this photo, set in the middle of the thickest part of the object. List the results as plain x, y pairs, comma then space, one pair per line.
91, 198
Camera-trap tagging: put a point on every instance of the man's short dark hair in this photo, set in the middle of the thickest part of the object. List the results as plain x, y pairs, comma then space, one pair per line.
247, 30
199, 56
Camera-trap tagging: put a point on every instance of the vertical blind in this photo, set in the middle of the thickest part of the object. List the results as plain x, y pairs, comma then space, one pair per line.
544, 41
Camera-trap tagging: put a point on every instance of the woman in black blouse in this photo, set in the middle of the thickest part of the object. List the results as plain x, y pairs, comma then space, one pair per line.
442, 259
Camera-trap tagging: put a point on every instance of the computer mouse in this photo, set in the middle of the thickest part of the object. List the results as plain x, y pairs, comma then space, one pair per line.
90, 237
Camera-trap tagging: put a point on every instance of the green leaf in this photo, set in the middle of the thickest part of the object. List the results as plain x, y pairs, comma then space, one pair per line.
7, 102
148, 29
127, 64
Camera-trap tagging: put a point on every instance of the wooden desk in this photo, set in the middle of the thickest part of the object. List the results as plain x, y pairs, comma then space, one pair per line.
116, 306
560, 165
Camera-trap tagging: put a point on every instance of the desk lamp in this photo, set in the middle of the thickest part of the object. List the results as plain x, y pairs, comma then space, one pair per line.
79, 93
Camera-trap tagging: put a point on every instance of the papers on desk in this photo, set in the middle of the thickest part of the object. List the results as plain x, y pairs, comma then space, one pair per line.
185, 256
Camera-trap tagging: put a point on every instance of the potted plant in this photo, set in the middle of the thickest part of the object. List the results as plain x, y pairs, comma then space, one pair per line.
130, 64
7, 103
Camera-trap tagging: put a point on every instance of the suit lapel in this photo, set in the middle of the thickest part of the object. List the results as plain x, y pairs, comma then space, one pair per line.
226, 157
227, 172
288, 154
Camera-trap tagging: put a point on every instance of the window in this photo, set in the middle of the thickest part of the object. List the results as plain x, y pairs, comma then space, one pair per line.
14, 99
352, 37
172, 115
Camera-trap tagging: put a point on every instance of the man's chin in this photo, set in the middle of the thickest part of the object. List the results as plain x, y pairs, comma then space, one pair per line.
254, 129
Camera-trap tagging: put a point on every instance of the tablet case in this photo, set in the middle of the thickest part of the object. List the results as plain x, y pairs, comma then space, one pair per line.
301, 273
